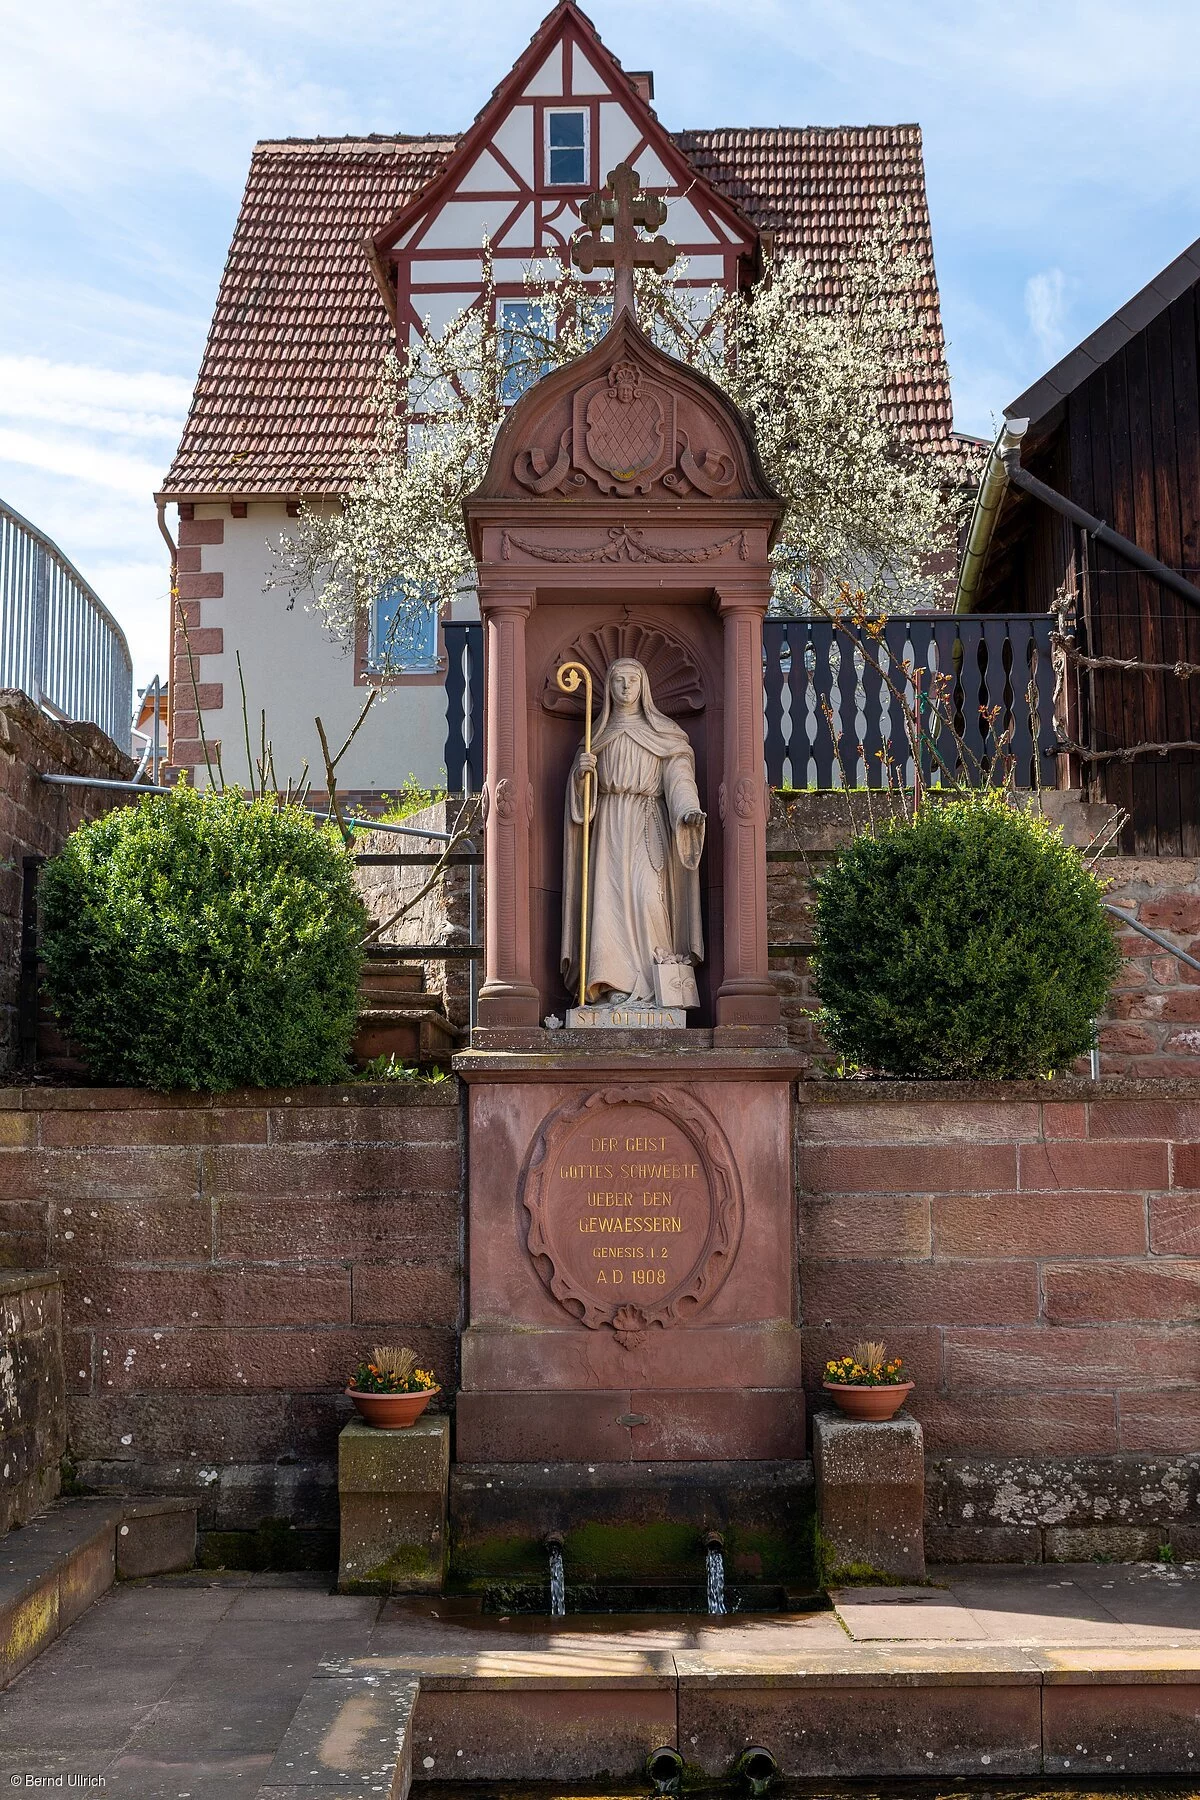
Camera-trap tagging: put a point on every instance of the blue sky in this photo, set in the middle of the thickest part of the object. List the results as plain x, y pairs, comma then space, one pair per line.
1062, 144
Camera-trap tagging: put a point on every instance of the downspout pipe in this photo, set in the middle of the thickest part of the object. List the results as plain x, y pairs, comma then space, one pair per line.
161, 507
985, 512
1097, 529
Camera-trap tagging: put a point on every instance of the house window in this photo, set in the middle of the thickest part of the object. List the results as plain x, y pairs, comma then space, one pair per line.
566, 149
403, 638
522, 323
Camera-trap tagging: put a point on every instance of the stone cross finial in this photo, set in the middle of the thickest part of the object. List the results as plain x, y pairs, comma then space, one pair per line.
622, 205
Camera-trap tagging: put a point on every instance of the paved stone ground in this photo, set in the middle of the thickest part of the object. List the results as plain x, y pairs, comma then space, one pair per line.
182, 1688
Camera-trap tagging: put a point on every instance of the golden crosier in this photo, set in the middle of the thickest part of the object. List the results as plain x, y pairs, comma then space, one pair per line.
569, 677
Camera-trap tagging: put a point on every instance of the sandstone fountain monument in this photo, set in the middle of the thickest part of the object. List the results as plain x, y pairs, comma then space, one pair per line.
631, 1257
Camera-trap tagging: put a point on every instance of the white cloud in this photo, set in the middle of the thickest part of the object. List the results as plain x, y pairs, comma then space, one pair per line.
67, 455
1046, 308
95, 401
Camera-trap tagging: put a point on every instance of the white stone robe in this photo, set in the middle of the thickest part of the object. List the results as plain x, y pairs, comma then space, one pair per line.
644, 884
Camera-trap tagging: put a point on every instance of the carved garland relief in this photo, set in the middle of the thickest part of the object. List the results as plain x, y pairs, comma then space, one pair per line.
623, 437
634, 1208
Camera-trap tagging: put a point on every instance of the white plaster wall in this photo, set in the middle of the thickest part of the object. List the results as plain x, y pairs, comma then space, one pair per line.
296, 671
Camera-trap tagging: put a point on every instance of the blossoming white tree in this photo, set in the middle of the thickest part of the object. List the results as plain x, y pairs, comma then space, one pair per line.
866, 513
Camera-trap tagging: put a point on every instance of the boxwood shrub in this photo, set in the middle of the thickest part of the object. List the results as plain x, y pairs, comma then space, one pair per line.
969, 942
195, 940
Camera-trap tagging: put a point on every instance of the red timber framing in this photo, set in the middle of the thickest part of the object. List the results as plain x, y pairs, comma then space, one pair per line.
496, 185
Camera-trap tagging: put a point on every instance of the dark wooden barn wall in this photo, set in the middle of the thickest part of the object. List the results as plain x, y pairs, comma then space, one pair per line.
1133, 458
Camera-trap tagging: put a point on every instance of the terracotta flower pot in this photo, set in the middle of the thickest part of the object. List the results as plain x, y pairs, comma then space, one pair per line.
392, 1412
870, 1402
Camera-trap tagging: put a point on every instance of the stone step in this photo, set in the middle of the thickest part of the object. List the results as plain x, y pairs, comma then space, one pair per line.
350, 1738
558, 1710
418, 1034
383, 979
52, 1569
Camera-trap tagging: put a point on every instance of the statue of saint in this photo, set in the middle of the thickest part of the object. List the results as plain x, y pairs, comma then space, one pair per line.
647, 834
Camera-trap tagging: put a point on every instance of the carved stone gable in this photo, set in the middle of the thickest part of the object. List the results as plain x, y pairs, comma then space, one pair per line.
625, 421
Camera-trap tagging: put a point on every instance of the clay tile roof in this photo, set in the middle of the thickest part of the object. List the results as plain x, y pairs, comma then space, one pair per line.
288, 377
286, 384
821, 191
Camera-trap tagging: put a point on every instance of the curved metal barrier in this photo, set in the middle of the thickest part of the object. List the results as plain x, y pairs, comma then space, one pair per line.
58, 641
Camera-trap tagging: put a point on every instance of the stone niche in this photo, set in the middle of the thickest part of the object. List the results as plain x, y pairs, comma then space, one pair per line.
623, 513
631, 1249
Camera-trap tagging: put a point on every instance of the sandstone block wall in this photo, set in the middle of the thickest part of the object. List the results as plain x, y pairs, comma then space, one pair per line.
36, 819
225, 1263
33, 1420
1036, 1261
1032, 1250
1153, 1024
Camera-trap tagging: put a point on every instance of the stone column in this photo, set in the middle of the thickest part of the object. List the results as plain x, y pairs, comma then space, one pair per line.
508, 996
747, 995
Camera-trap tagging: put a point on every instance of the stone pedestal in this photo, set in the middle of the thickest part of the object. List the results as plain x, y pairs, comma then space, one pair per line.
631, 1257
870, 1489
392, 1488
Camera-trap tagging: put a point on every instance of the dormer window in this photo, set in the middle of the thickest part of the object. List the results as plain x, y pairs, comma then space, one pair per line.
567, 148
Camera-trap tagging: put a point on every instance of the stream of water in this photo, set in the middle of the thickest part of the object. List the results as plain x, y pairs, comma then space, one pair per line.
716, 1582
558, 1585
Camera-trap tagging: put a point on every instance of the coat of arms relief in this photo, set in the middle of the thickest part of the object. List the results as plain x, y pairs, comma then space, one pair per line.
624, 436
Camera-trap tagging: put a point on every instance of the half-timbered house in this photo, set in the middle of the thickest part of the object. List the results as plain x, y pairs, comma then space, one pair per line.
1090, 503
345, 246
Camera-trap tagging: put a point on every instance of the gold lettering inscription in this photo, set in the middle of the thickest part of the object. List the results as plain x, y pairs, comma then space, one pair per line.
633, 1193
632, 1224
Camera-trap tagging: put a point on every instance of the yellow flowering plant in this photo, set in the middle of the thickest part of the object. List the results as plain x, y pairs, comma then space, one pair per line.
391, 1371
867, 1365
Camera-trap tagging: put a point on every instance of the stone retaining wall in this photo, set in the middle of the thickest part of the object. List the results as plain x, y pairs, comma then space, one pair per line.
226, 1262
1033, 1251
33, 1419
1036, 1261
36, 818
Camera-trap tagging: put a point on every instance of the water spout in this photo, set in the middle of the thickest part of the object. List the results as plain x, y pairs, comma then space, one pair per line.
757, 1768
665, 1769
558, 1584
715, 1562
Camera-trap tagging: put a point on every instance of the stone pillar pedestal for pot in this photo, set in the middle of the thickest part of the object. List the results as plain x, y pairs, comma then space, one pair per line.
870, 1490
392, 1489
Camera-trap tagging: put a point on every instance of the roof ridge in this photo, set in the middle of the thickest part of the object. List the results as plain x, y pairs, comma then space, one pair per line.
402, 138
805, 130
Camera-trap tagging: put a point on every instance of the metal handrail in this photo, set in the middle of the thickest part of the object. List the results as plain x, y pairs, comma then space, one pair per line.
58, 641
1155, 936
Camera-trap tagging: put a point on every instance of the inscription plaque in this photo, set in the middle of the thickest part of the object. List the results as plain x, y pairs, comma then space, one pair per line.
634, 1208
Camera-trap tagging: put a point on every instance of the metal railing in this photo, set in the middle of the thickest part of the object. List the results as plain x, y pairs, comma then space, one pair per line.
930, 698
845, 705
470, 858
58, 641
464, 706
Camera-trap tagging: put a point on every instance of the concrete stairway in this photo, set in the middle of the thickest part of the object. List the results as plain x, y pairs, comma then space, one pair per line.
397, 1017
